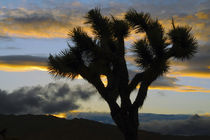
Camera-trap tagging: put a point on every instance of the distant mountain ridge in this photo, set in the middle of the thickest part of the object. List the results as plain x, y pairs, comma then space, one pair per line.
143, 117
42, 127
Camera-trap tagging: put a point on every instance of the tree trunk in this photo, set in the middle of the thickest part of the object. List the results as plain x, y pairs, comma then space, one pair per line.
127, 123
131, 134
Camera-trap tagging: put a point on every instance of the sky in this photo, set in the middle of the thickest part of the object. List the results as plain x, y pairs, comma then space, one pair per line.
30, 30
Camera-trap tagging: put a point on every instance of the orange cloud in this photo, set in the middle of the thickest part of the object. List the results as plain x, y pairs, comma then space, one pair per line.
179, 88
21, 68
202, 15
191, 74
56, 23
198, 21
39, 24
25, 67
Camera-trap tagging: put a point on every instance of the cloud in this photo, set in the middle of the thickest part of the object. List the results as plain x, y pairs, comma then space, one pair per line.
197, 20
9, 48
170, 83
197, 67
4, 37
55, 22
49, 99
193, 126
165, 82
39, 23
22, 63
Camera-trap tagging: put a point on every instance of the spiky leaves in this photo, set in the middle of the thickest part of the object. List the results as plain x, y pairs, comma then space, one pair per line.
66, 64
81, 39
120, 28
155, 36
143, 22
144, 56
146, 59
150, 52
139, 21
184, 45
70, 61
99, 23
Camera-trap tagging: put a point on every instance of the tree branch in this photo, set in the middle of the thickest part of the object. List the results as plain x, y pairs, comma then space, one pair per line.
94, 79
142, 93
135, 81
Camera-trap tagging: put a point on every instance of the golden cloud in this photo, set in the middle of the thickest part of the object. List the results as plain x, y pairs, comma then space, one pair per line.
181, 88
39, 23
21, 68
56, 23
21, 63
195, 74
202, 15
198, 22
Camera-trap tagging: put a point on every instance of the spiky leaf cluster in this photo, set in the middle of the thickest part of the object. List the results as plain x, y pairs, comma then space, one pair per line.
101, 53
100, 24
65, 64
184, 44
144, 56
153, 51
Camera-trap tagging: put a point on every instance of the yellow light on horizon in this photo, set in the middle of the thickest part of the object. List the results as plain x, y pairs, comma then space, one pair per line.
60, 115
205, 114
64, 114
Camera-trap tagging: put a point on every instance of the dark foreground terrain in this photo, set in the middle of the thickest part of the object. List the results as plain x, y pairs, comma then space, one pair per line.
41, 127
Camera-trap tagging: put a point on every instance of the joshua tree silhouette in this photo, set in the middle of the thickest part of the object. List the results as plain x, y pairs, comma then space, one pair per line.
104, 54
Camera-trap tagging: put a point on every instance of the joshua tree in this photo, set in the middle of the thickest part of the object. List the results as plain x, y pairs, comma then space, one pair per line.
104, 54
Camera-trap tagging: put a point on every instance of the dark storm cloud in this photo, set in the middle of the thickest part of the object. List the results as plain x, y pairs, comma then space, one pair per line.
193, 126
23, 60
52, 98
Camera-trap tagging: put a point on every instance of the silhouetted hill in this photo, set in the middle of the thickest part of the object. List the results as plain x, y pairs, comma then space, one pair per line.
41, 127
